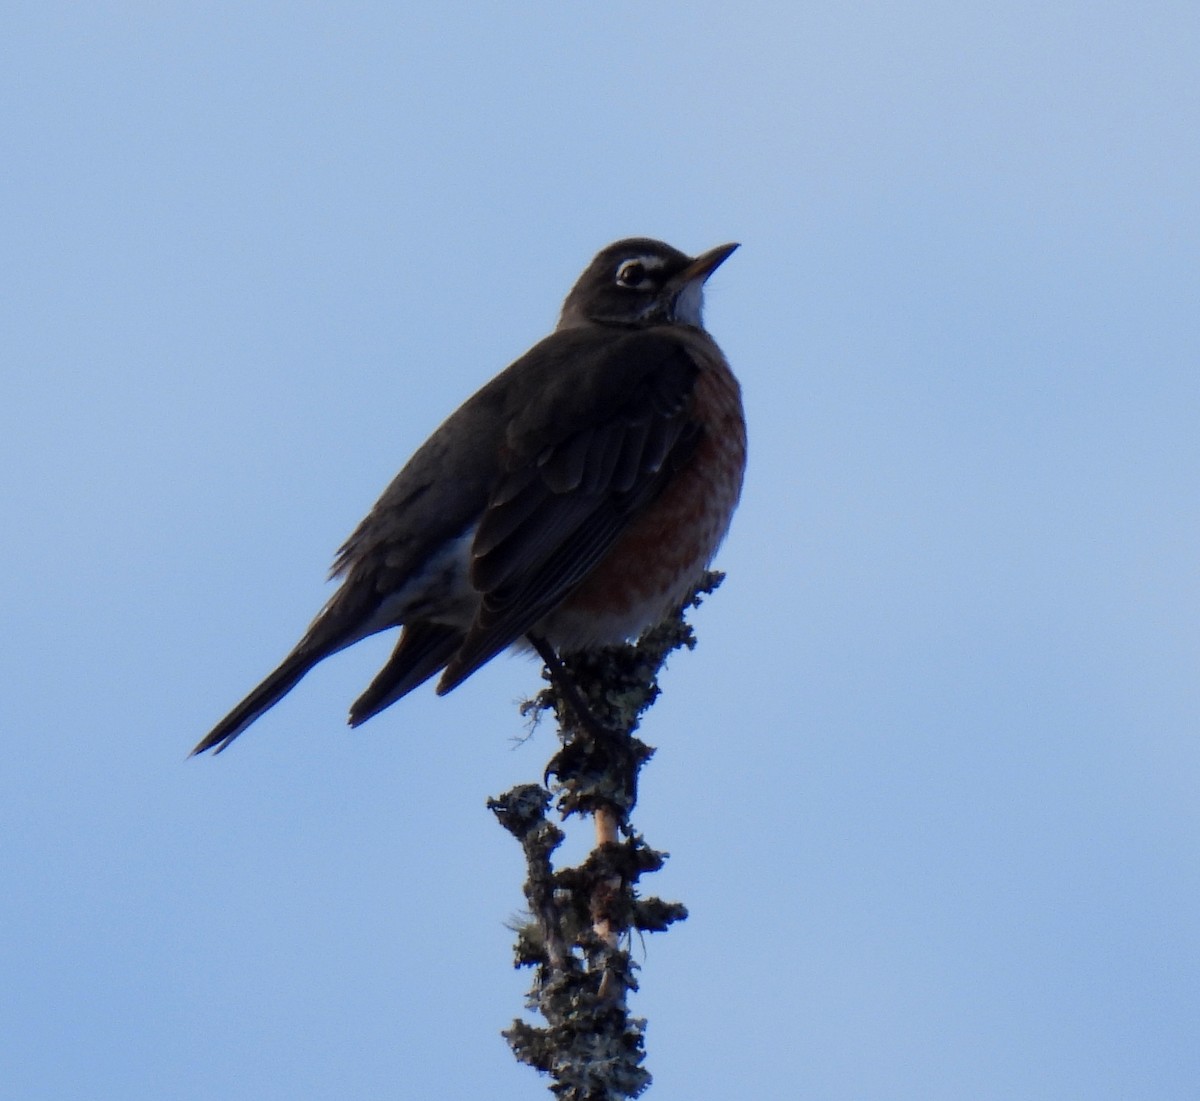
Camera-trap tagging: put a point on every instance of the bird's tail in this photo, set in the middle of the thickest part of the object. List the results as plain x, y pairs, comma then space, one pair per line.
265, 696
423, 649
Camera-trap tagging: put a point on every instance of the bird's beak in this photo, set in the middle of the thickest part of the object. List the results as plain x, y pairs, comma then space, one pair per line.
705, 264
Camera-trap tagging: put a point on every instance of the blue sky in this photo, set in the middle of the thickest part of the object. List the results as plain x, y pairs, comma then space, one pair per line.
930, 780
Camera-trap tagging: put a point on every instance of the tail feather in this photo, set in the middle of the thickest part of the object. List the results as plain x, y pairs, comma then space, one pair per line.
264, 697
423, 649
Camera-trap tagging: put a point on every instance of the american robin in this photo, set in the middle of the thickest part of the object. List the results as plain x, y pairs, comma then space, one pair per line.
571, 503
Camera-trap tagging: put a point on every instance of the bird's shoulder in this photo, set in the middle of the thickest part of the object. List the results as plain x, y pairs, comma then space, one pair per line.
586, 376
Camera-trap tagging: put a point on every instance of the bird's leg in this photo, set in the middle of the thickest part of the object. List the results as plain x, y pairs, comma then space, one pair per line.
604, 817
566, 685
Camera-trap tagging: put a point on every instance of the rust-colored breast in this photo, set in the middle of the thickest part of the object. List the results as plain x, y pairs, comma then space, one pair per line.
652, 567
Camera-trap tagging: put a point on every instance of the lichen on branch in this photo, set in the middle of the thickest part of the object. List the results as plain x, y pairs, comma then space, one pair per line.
581, 920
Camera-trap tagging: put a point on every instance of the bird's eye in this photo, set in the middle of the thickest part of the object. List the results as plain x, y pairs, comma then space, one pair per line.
632, 273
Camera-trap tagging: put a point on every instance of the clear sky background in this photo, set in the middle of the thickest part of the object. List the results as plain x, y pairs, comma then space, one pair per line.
930, 782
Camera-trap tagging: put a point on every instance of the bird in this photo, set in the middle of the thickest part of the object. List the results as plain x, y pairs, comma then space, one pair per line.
572, 502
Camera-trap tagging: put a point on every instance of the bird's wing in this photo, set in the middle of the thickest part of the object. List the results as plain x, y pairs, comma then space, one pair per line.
581, 459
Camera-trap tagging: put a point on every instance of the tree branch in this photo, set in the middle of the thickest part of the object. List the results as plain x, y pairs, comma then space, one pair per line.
581, 920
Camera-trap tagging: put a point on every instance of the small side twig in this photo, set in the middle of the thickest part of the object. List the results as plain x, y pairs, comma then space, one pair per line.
581, 919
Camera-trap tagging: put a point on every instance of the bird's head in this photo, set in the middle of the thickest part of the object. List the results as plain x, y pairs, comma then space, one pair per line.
640, 281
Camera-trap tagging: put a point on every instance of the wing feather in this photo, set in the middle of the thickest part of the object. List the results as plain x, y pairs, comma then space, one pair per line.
572, 485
